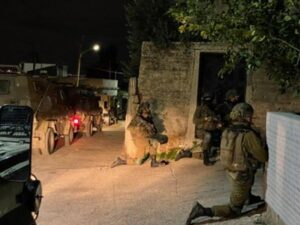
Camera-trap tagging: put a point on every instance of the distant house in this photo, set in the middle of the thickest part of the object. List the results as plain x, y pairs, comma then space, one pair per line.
46, 69
10, 69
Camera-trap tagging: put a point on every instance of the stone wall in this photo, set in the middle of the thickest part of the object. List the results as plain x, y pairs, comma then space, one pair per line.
165, 80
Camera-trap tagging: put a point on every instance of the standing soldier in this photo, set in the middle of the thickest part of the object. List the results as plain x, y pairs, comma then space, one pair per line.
145, 137
224, 109
241, 152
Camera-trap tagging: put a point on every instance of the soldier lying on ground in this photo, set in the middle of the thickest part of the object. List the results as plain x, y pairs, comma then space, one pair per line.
240, 141
145, 137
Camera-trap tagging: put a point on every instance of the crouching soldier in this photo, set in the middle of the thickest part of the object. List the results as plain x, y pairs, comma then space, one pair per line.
207, 125
145, 137
206, 122
241, 152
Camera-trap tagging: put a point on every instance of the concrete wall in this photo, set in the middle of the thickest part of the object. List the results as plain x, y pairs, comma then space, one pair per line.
283, 194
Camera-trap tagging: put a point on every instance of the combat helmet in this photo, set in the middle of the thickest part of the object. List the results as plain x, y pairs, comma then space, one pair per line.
231, 93
241, 111
142, 107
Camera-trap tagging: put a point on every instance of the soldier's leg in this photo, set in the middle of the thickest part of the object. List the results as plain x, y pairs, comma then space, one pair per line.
118, 162
184, 153
154, 145
206, 148
253, 198
197, 211
240, 187
197, 151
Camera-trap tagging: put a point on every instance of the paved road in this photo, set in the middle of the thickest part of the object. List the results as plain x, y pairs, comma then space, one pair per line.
81, 189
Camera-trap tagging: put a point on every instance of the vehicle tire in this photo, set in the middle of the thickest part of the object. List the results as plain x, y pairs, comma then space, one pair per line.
89, 129
69, 138
49, 141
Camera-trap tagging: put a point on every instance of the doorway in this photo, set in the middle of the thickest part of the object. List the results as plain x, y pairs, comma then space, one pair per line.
209, 81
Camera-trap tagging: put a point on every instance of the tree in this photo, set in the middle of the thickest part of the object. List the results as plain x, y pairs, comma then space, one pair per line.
259, 32
148, 21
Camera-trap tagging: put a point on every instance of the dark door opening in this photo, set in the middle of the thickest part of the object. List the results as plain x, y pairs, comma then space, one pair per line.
209, 81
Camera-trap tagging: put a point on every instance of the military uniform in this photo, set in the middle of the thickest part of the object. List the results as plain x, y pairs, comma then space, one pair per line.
206, 122
241, 152
224, 109
241, 181
145, 137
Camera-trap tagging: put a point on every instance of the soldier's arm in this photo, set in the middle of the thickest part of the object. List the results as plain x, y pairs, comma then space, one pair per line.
254, 146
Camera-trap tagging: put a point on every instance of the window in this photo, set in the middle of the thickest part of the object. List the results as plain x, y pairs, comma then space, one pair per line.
4, 87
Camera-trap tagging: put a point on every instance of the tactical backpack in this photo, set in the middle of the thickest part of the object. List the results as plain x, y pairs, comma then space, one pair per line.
232, 153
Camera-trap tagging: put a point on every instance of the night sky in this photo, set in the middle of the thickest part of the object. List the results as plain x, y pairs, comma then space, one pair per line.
50, 31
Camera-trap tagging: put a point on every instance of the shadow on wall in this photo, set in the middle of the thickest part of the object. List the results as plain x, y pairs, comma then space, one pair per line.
156, 108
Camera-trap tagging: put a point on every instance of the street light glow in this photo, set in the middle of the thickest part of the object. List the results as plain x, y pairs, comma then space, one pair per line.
96, 47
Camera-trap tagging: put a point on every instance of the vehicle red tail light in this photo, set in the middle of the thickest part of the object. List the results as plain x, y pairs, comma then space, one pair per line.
75, 121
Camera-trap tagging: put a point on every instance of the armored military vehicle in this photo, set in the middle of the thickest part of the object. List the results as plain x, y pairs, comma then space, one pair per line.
87, 116
20, 191
99, 92
51, 115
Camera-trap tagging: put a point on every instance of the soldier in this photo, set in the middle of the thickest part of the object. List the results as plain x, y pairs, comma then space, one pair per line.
206, 122
207, 126
224, 109
145, 137
242, 142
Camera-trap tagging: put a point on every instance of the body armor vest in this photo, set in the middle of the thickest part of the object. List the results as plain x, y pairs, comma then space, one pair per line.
232, 153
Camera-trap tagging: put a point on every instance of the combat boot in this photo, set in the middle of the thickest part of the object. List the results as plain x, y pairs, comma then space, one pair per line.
197, 211
118, 162
183, 154
206, 160
253, 199
155, 163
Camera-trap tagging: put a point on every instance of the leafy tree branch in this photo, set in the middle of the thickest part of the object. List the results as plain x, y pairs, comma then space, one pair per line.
259, 32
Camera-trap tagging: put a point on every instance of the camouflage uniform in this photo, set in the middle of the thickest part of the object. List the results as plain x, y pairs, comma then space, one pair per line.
241, 181
206, 122
248, 151
225, 108
145, 137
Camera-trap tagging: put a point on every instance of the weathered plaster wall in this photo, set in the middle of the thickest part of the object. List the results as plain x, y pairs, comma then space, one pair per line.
264, 95
165, 80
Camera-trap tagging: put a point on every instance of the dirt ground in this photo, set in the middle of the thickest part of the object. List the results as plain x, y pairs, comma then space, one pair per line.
80, 188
